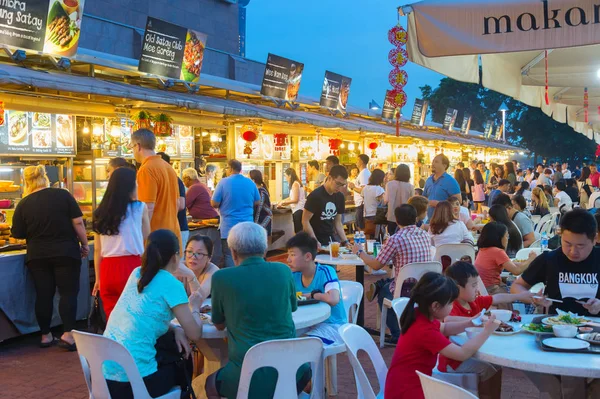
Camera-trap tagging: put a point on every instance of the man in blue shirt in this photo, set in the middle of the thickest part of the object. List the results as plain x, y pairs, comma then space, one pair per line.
503, 188
440, 186
235, 197
320, 282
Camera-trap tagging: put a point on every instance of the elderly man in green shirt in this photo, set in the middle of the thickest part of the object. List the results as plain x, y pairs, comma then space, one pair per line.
254, 301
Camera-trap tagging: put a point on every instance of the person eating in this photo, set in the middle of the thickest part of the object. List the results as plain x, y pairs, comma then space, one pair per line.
523, 223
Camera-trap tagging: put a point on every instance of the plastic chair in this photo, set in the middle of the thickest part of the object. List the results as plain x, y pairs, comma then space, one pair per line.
541, 223
434, 389
357, 338
469, 381
593, 199
412, 270
524, 253
481, 287
286, 356
454, 251
94, 350
352, 295
536, 244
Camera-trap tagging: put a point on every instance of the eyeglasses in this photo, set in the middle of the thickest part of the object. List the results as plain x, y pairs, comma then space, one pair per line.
340, 185
195, 255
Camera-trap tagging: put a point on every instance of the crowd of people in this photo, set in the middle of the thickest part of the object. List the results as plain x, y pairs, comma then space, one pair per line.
147, 263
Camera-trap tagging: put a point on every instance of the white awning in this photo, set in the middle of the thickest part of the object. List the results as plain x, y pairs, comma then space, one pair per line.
508, 39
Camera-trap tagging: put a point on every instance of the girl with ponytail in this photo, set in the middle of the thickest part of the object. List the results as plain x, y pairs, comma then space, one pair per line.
151, 298
424, 336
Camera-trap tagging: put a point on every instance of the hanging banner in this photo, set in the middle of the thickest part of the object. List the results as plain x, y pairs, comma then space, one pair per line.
172, 51
488, 128
334, 94
282, 78
499, 133
466, 124
419, 112
463, 27
450, 119
388, 110
52, 27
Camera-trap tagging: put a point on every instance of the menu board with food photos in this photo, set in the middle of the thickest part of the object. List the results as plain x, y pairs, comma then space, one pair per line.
336, 89
282, 78
37, 133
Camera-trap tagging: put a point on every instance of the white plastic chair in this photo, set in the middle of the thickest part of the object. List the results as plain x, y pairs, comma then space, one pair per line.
286, 356
469, 381
94, 350
536, 243
481, 287
352, 295
542, 222
455, 252
524, 253
357, 338
412, 270
435, 389
593, 199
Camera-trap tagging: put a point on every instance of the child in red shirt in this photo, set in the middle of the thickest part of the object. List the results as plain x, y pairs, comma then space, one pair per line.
470, 304
423, 336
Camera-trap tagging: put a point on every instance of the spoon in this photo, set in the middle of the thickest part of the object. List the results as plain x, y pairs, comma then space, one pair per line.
478, 322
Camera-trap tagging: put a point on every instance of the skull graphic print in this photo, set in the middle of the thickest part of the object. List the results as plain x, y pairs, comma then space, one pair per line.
330, 212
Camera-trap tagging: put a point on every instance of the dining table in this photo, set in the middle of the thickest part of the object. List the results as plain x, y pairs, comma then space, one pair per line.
348, 260
213, 344
521, 351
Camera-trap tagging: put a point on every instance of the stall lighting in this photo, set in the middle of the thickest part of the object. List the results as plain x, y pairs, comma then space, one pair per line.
214, 138
342, 145
115, 129
98, 129
86, 127
204, 133
351, 147
521, 153
6, 170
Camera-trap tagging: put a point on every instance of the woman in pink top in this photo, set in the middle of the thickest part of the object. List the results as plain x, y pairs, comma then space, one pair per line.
492, 259
478, 191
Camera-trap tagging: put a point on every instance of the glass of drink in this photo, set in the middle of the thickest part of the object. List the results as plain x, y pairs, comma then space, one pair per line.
334, 249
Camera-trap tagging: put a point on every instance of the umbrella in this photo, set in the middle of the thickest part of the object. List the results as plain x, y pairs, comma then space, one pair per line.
545, 53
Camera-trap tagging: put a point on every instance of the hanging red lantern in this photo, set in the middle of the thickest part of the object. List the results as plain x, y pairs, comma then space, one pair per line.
397, 36
398, 57
280, 140
398, 78
249, 135
373, 145
334, 146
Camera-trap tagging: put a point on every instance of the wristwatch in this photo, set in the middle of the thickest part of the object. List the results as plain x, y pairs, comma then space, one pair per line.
313, 292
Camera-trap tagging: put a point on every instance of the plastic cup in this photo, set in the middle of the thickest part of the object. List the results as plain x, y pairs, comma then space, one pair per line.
334, 249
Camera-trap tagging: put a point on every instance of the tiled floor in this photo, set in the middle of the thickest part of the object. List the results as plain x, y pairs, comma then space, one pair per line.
29, 372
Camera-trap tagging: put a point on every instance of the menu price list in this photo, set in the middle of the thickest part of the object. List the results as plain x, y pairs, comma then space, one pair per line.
36, 133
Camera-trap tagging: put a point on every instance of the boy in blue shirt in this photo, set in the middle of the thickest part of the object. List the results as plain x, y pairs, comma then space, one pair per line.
318, 282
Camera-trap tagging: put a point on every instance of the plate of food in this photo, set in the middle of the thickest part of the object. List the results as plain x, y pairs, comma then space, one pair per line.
566, 319
537, 329
592, 338
41, 138
40, 120
64, 131
17, 128
508, 329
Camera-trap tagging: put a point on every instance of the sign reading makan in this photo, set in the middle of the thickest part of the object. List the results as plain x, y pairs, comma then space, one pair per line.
52, 27
172, 51
282, 78
336, 89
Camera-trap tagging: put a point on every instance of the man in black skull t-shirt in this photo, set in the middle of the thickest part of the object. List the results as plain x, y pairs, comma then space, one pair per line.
572, 271
322, 217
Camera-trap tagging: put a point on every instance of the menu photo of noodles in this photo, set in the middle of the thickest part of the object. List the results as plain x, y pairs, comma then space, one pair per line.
18, 129
193, 55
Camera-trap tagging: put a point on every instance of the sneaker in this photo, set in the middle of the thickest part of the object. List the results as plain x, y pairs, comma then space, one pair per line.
391, 341
373, 291
379, 272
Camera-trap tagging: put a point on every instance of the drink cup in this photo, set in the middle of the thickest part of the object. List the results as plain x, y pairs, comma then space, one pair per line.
334, 249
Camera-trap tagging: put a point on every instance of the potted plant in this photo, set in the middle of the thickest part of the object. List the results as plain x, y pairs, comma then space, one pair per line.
162, 125
144, 120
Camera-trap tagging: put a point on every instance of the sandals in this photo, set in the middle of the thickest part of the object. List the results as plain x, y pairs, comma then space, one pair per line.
66, 345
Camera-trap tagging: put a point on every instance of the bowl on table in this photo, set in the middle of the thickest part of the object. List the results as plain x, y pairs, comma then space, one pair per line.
564, 331
586, 330
473, 331
502, 314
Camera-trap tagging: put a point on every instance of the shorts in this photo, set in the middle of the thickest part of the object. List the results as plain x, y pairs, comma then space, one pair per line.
484, 370
328, 333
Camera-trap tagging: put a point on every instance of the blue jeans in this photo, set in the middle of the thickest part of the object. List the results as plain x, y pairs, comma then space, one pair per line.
391, 321
227, 258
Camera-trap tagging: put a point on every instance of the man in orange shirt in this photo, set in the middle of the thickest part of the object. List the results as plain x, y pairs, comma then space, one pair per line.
157, 183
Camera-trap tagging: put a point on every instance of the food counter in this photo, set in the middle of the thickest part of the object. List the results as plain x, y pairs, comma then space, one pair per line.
17, 296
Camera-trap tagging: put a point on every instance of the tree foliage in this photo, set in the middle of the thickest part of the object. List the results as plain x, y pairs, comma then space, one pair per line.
526, 126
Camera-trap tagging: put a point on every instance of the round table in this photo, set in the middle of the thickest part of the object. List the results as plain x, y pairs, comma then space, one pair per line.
353, 260
213, 345
520, 351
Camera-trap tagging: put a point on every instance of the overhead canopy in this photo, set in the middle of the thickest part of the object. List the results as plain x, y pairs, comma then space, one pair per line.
508, 39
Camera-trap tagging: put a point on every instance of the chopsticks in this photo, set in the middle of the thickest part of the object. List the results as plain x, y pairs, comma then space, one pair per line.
548, 299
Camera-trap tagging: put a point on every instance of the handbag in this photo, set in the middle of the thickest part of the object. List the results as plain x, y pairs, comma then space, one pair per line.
381, 215
167, 354
96, 318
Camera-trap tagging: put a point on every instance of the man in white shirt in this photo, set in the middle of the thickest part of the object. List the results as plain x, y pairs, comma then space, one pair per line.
565, 171
473, 168
361, 181
561, 198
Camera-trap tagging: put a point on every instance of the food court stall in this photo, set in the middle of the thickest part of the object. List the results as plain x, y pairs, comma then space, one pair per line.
30, 138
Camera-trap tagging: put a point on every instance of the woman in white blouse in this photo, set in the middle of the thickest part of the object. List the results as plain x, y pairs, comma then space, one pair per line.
372, 195
297, 198
397, 192
444, 228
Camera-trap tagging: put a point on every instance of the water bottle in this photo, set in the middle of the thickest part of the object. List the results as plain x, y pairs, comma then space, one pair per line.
544, 242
